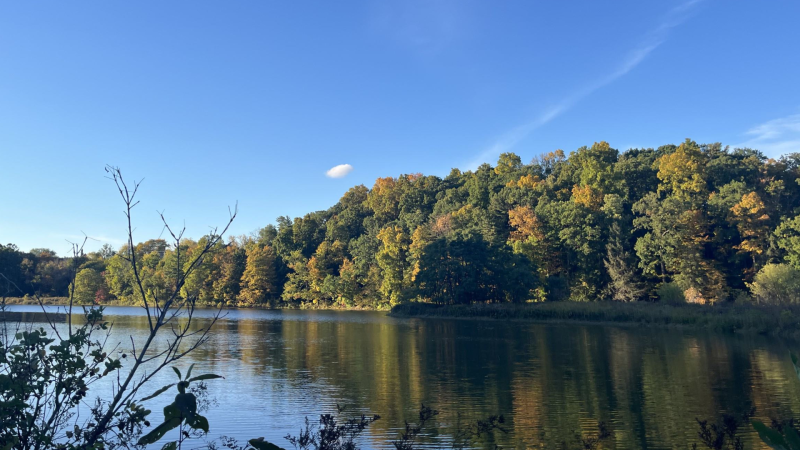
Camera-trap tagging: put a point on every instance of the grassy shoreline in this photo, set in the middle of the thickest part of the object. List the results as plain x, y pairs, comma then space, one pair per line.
55, 301
745, 319
64, 301
781, 321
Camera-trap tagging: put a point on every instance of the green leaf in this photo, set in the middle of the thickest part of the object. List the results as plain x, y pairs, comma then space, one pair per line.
111, 365
158, 392
208, 376
158, 432
770, 436
170, 446
172, 412
177, 371
189, 372
792, 438
186, 403
11, 443
261, 444
197, 422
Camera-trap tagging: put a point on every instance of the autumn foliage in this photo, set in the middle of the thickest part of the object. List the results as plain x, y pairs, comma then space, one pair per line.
595, 224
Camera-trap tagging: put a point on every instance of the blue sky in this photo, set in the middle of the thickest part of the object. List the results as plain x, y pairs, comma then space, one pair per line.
254, 101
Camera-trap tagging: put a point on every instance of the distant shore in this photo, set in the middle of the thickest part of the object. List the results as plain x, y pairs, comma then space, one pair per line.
781, 321
746, 319
64, 301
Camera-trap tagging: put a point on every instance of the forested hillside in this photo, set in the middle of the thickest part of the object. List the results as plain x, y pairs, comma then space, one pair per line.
696, 223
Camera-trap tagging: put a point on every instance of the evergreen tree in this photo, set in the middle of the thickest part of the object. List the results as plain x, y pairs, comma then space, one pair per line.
625, 285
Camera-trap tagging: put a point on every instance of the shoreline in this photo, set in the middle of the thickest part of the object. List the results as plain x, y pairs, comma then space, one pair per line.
731, 319
782, 321
64, 301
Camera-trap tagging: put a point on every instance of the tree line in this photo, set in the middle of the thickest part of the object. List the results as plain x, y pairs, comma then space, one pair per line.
694, 222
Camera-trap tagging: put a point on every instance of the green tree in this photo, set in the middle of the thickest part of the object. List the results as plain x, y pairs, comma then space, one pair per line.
199, 284
13, 267
508, 163
323, 270
594, 167
658, 249
89, 287
298, 282
625, 284
788, 239
469, 270
119, 277
106, 251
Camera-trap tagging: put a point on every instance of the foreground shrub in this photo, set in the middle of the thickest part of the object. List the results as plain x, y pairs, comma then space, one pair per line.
46, 373
776, 284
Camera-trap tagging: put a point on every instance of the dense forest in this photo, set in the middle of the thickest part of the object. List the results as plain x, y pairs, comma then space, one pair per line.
694, 223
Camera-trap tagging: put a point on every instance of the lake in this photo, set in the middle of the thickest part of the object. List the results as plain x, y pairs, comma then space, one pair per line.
550, 381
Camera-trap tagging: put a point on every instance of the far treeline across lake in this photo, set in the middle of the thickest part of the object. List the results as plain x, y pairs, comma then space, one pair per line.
693, 223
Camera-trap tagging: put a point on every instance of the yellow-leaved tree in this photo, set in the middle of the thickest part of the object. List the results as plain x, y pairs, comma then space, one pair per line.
259, 280
752, 222
682, 173
391, 259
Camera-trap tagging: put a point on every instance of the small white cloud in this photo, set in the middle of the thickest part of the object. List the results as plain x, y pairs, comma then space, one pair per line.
339, 171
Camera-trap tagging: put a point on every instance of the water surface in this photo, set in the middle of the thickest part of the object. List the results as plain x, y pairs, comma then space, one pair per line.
550, 381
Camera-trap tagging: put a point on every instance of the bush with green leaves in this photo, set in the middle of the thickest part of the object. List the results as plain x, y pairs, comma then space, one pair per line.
46, 373
182, 413
776, 284
671, 294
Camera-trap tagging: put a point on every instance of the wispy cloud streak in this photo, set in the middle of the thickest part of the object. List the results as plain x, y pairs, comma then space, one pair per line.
78, 238
775, 137
649, 42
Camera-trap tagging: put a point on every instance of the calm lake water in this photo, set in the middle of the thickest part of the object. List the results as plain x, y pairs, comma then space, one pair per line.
550, 381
